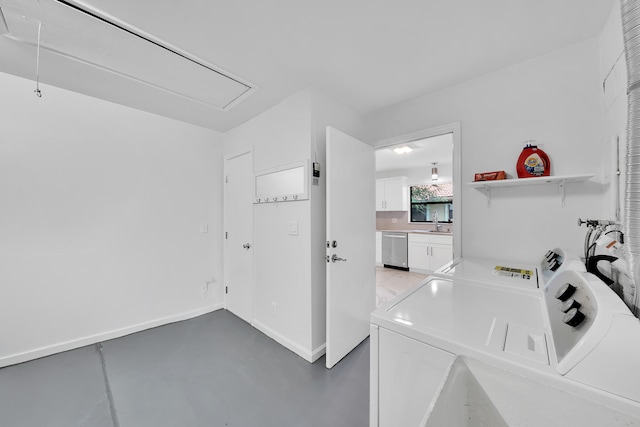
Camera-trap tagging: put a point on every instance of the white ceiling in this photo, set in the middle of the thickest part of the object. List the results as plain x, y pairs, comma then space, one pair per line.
438, 149
366, 54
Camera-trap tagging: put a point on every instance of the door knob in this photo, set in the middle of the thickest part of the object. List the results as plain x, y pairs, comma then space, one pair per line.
335, 258
246, 245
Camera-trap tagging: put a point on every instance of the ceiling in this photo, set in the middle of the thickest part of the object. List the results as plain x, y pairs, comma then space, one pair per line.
366, 54
438, 149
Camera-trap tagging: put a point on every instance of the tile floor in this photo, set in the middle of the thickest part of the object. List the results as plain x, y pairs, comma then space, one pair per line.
392, 282
214, 370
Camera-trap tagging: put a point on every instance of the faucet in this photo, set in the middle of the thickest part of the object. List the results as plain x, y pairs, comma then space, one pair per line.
435, 220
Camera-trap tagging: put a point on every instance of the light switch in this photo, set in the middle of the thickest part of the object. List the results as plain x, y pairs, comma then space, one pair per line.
293, 228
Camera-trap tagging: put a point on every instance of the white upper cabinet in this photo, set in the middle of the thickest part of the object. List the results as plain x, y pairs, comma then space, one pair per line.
380, 195
391, 194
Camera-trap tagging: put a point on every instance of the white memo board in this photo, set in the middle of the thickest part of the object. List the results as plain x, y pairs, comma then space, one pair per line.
286, 183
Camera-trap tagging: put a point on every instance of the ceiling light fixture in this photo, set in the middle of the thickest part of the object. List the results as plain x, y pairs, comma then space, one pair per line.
434, 171
402, 150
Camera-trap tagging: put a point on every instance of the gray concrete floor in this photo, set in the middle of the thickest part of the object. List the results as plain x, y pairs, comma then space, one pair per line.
214, 370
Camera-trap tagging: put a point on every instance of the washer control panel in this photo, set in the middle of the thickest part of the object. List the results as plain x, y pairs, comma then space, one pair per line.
571, 308
580, 309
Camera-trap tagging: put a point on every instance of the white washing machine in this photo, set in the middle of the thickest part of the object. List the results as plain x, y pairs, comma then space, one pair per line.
460, 351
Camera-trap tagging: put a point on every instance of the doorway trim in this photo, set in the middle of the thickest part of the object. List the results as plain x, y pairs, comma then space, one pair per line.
455, 129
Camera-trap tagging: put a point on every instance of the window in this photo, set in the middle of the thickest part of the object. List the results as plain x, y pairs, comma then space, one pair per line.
429, 202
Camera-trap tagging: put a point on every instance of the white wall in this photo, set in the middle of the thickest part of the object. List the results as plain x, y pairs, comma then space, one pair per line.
100, 220
279, 136
554, 99
290, 270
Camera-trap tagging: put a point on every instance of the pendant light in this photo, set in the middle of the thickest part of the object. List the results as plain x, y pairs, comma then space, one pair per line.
434, 171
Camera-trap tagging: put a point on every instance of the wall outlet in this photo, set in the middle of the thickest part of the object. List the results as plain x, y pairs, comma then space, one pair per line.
274, 308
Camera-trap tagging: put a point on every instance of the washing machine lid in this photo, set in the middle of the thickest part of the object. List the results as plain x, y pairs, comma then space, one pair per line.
496, 272
463, 312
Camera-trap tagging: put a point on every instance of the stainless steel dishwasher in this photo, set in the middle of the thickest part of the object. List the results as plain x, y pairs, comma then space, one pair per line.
394, 249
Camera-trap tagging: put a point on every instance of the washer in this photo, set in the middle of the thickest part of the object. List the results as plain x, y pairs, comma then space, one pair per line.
475, 349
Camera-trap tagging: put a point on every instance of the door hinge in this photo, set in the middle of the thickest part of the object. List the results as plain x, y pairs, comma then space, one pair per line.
226, 179
226, 235
226, 289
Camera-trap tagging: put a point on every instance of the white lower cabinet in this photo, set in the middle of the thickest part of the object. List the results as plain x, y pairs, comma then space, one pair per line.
378, 248
409, 375
428, 252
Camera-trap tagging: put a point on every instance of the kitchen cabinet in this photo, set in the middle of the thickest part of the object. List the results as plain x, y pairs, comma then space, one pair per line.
379, 248
391, 194
428, 252
409, 375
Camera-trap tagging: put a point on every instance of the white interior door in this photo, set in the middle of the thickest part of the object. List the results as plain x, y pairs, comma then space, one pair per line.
238, 244
351, 275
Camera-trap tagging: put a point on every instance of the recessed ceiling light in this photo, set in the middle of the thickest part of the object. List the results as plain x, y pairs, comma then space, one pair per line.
402, 150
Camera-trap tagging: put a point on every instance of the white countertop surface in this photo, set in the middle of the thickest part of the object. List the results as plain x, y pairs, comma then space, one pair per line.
442, 233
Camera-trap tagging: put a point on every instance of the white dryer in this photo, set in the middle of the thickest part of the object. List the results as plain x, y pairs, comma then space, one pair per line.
516, 275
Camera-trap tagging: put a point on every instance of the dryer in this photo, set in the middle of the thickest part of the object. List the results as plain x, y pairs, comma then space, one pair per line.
515, 275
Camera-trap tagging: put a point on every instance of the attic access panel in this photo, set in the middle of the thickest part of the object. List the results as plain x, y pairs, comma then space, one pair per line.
80, 34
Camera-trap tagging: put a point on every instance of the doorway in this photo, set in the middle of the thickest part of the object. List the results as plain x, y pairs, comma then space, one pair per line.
429, 162
238, 243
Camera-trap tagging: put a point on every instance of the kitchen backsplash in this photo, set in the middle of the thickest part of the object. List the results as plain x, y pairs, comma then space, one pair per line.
399, 220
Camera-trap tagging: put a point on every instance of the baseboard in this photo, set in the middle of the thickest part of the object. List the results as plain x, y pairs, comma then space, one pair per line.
319, 352
93, 339
306, 354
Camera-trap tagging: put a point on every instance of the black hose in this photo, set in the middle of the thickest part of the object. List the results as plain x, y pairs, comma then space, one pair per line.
587, 240
592, 267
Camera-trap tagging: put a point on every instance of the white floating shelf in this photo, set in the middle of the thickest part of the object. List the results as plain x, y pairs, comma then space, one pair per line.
560, 180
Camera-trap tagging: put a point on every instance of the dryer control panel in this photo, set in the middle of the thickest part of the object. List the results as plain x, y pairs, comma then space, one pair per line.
557, 260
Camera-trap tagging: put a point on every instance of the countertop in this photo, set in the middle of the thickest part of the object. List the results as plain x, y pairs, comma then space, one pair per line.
441, 233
